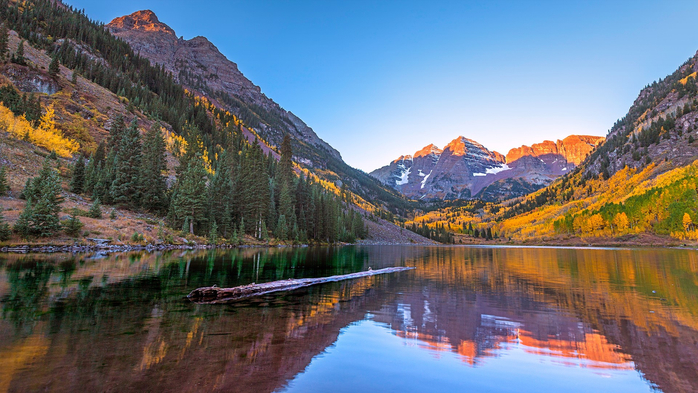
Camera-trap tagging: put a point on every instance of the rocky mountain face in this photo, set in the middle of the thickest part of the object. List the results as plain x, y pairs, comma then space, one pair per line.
202, 68
466, 169
660, 128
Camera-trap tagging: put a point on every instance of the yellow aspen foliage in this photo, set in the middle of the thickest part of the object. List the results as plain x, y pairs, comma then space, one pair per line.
620, 221
175, 144
687, 222
46, 135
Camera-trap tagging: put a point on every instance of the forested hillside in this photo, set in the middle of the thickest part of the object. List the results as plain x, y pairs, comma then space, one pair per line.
134, 139
641, 180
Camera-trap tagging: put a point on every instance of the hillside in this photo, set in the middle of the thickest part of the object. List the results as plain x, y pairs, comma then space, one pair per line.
199, 66
465, 169
156, 151
638, 187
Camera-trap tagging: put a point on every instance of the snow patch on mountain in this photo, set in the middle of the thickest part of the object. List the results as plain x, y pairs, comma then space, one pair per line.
404, 177
497, 169
424, 181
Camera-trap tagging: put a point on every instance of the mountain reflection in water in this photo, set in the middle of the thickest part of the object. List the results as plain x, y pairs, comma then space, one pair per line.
121, 322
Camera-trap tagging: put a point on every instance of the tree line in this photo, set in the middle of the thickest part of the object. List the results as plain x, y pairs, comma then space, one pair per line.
242, 192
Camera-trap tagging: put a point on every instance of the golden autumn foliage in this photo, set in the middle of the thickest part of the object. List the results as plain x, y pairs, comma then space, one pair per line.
687, 222
654, 199
45, 135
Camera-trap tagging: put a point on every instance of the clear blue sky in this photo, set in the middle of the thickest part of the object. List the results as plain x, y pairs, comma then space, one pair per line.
377, 79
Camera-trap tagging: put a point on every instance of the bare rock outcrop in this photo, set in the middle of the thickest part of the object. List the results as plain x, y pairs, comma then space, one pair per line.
202, 68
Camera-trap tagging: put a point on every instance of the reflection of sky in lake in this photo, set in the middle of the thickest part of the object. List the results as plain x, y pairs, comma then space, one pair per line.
368, 354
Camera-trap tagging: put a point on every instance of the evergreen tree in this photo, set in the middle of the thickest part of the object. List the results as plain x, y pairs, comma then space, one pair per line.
152, 182
284, 171
118, 127
5, 231
189, 201
265, 232
92, 173
4, 185
282, 228
95, 210
19, 54
125, 188
77, 184
4, 40
213, 234
54, 67
286, 207
221, 192
43, 203
23, 224
73, 226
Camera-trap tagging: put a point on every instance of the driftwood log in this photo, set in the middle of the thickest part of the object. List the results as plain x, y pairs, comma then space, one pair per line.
211, 295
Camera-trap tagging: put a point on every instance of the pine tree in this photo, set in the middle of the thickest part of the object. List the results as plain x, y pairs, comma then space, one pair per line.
5, 231
95, 210
152, 182
19, 54
241, 230
78, 182
125, 188
189, 202
282, 228
4, 186
43, 203
286, 207
220, 192
213, 234
265, 232
73, 226
4, 40
23, 224
118, 126
54, 67
284, 171
93, 171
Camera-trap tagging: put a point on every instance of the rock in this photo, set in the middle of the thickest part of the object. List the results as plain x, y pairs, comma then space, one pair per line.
208, 70
466, 169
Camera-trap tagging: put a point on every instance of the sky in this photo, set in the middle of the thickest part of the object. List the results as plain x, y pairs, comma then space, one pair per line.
379, 79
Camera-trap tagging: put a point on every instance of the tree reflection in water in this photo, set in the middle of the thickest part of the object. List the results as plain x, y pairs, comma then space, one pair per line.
121, 323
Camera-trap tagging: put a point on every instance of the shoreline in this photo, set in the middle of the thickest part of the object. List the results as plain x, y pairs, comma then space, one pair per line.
63, 248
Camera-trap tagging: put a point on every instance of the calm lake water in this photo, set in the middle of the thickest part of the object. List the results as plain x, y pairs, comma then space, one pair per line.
467, 319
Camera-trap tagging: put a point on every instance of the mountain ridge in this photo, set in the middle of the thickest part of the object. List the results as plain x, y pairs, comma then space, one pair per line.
468, 168
200, 66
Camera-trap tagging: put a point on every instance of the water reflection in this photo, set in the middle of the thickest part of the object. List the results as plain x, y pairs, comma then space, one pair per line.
121, 323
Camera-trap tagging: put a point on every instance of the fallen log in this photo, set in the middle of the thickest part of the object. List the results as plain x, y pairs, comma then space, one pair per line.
214, 294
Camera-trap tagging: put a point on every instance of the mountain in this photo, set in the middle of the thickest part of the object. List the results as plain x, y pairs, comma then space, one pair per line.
638, 187
199, 66
466, 169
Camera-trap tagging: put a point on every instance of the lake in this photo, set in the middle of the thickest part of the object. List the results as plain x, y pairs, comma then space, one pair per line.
495, 319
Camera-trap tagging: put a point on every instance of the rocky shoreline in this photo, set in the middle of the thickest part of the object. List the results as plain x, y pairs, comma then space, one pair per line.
49, 249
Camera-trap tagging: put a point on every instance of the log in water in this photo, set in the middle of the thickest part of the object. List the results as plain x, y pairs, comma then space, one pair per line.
211, 295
